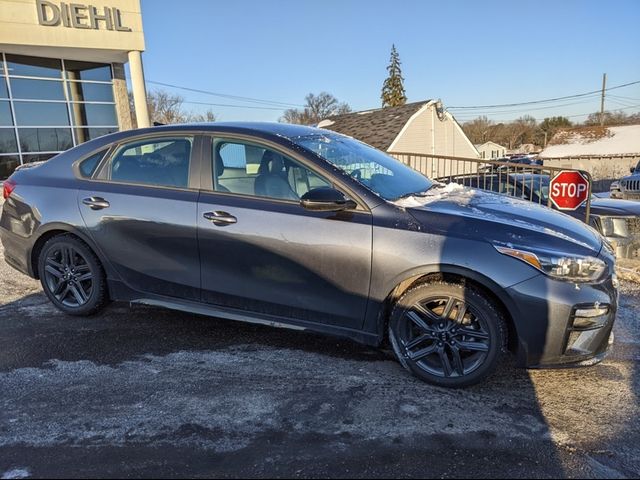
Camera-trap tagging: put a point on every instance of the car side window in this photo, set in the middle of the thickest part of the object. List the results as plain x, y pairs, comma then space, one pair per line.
88, 165
253, 170
160, 161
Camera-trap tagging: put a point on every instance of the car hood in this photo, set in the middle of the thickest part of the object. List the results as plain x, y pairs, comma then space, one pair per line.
612, 207
496, 218
633, 176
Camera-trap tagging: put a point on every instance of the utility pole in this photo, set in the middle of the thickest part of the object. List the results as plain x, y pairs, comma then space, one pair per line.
604, 85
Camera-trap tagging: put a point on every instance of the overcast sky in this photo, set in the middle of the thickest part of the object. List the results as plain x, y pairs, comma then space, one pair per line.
465, 52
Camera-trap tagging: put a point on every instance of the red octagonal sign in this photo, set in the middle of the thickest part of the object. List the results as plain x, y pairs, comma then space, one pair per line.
569, 190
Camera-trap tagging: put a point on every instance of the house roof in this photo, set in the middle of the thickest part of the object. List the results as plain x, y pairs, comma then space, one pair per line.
594, 141
480, 145
379, 127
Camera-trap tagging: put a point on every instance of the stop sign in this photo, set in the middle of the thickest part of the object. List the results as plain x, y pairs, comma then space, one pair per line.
569, 190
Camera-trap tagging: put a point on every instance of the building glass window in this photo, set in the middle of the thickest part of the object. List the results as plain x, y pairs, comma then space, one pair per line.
84, 134
5, 114
37, 158
37, 114
23, 66
8, 142
8, 164
56, 103
90, 92
4, 92
28, 89
94, 114
45, 139
87, 71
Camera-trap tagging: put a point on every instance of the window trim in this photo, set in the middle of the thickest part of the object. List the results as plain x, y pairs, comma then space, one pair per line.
207, 172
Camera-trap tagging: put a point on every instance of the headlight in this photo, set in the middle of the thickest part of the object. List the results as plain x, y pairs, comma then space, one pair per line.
570, 268
614, 227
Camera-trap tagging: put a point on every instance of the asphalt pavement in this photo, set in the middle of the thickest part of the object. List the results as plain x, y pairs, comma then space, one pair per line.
144, 392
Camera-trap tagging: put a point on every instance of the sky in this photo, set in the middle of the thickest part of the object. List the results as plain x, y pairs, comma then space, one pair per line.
467, 53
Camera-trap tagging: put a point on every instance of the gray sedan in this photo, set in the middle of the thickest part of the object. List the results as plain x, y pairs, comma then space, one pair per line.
308, 229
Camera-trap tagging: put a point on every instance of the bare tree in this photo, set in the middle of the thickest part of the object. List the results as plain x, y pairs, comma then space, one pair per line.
207, 116
612, 118
318, 107
478, 130
166, 108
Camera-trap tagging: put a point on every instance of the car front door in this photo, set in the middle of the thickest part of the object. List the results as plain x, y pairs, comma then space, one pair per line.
262, 252
140, 209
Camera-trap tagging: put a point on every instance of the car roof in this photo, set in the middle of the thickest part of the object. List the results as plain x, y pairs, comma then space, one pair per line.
529, 176
266, 130
270, 128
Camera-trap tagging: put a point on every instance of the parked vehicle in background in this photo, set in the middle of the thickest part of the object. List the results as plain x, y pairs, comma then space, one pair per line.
306, 228
630, 185
616, 220
615, 191
525, 159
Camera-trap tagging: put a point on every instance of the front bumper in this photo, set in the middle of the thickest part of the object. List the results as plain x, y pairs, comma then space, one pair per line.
545, 319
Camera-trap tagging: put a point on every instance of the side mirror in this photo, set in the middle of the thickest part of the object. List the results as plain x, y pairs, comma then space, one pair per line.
633, 169
326, 199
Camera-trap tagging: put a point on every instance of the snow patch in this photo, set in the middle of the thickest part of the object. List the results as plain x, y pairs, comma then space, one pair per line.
325, 123
16, 473
621, 140
437, 192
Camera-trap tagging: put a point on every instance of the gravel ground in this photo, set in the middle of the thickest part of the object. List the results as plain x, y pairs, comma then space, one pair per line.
142, 392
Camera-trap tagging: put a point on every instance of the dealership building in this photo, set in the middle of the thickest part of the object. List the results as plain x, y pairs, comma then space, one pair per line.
62, 75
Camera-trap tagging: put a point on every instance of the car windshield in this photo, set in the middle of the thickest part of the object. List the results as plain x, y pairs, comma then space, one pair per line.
378, 171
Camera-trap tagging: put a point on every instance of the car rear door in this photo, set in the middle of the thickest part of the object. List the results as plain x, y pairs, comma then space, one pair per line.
140, 209
262, 252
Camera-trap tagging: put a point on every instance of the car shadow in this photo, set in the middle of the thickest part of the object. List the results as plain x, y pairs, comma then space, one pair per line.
343, 410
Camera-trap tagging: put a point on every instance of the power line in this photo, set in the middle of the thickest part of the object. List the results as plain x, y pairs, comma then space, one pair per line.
231, 105
476, 114
546, 100
224, 95
635, 99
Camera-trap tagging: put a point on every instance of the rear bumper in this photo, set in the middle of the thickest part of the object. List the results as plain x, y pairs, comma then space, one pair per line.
17, 251
545, 320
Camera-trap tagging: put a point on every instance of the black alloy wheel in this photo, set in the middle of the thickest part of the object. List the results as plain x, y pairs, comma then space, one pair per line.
72, 276
68, 276
447, 334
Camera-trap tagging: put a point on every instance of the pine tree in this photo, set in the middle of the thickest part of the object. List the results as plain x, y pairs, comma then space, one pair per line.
393, 93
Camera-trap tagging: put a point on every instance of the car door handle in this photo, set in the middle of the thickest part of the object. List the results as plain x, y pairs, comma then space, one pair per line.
220, 218
96, 203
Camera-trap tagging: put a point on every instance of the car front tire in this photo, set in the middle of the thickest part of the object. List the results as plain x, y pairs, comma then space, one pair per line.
447, 334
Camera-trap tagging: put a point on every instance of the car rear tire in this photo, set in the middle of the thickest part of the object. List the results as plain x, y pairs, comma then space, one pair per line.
447, 334
72, 276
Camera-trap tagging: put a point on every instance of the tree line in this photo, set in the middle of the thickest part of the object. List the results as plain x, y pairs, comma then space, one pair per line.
527, 130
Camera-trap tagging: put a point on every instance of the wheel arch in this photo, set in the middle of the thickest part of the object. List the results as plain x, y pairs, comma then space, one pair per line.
55, 229
453, 274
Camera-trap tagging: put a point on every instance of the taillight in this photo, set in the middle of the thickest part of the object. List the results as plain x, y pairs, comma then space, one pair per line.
7, 188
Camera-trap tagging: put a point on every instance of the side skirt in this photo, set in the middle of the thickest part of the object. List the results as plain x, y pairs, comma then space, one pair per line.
120, 292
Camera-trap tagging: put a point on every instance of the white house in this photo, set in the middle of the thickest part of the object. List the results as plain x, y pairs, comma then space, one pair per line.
424, 129
491, 150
